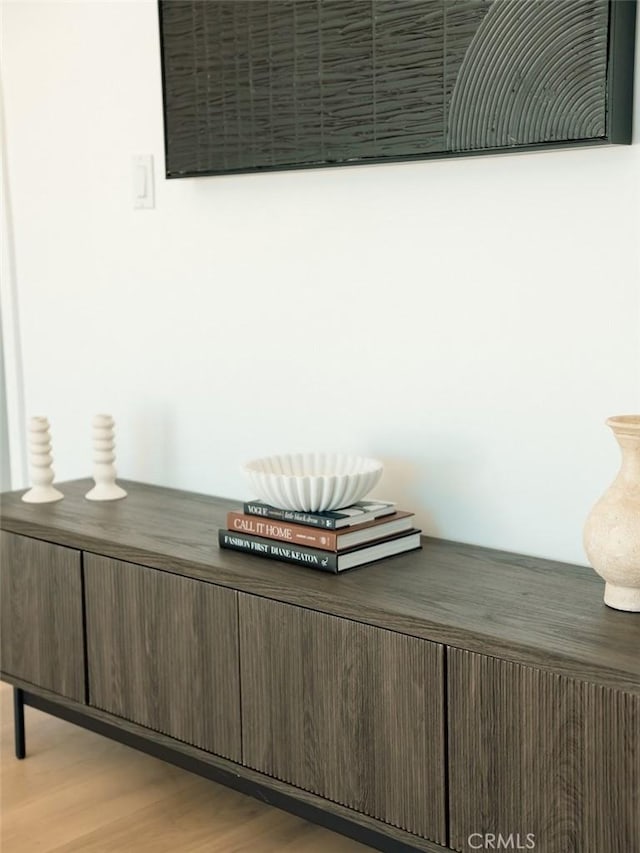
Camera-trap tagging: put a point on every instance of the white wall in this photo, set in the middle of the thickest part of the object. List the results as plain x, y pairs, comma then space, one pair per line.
471, 322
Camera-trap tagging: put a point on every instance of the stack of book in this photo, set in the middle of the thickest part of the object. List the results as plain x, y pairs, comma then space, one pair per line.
329, 541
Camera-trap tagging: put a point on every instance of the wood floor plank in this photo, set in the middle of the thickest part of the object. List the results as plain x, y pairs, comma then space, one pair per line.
77, 791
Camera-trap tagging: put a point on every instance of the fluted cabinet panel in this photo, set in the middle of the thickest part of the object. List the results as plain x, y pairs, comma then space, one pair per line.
163, 652
389, 703
533, 754
41, 614
345, 710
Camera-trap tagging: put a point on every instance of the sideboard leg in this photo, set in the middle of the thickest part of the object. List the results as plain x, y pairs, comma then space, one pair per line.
18, 722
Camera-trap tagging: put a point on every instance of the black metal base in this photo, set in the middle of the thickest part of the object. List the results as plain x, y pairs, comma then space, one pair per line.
18, 722
279, 799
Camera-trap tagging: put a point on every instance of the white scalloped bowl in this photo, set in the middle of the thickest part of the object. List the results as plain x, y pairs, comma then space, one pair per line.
313, 482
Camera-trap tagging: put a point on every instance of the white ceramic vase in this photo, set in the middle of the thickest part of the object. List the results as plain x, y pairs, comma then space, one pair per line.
104, 456
612, 531
40, 464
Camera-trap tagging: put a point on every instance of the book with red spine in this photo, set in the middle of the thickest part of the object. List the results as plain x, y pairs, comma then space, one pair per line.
325, 540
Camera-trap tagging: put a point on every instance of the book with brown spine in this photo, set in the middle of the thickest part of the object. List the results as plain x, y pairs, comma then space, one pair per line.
326, 540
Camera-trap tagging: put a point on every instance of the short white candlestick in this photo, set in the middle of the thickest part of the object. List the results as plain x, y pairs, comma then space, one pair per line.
41, 460
104, 471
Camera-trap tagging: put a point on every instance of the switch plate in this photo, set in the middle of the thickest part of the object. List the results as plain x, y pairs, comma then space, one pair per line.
143, 188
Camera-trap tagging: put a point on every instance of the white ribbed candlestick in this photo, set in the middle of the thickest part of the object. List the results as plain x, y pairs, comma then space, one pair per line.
40, 463
104, 471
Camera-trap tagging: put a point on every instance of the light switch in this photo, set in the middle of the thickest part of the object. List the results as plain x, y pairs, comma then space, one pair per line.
143, 190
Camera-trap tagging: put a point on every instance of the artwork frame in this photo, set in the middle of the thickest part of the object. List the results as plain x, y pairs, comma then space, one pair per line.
210, 98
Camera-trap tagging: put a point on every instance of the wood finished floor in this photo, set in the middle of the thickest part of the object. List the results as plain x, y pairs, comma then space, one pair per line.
79, 791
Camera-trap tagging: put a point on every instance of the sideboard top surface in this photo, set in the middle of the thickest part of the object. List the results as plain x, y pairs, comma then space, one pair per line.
524, 609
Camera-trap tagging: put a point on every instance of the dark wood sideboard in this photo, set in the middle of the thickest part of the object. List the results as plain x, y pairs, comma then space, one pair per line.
453, 697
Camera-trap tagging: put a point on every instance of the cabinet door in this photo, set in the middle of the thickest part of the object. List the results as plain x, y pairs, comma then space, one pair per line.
163, 652
345, 710
41, 614
553, 760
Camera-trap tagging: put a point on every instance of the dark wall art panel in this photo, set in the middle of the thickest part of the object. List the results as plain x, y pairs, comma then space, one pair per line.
274, 84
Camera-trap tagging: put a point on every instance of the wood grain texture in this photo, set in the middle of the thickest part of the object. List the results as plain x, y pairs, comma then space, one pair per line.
108, 797
346, 711
533, 752
163, 652
540, 612
400, 842
41, 614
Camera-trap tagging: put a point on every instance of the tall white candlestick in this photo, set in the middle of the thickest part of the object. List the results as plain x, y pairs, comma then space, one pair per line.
40, 463
104, 471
